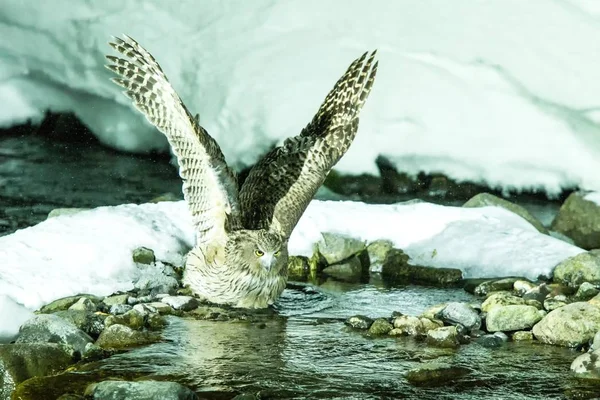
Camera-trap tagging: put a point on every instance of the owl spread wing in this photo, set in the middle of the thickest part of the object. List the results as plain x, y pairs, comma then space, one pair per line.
209, 186
279, 188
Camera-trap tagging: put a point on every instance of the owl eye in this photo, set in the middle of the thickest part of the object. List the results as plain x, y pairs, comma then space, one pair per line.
259, 253
277, 253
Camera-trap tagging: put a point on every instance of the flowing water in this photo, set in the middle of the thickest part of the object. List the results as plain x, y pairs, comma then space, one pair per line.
311, 354
305, 351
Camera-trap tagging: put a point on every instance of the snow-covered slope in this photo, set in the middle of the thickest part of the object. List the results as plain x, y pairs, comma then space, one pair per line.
90, 252
505, 91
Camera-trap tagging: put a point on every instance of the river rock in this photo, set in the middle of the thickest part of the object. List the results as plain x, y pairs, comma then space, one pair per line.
89, 322
65, 302
143, 255
446, 337
435, 374
336, 248
183, 303
522, 336
116, 299
122, 337
141, 390
359, 322
484, 288
413, 326
397, 270
552, 303
163, 308
586, 291
572, 325
538, 293
512, 318
83, 304
49, 328
493, 340
500, 299
132, 319
587, 365
579, 219
380, 326
487, 199
522, 286
377, 251
460, 313
118, 309
573, 271
21, 361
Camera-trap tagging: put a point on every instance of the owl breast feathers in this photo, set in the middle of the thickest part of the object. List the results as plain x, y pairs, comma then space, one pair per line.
240, 256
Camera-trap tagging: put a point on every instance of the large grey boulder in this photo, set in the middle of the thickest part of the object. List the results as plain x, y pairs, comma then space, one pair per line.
142, 390
49, 328
461, 313
487, 199
572, 325
579, 219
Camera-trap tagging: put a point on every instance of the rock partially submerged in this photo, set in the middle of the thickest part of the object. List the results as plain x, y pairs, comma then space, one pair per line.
397, 270
142, 390
435, 374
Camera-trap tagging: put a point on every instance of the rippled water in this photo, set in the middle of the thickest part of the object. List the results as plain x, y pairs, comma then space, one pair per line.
311, 354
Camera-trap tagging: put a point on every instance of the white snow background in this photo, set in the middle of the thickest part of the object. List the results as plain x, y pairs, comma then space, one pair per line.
90, 252
500, 91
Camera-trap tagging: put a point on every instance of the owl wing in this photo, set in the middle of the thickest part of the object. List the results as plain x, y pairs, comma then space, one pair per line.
209, 186
280, 186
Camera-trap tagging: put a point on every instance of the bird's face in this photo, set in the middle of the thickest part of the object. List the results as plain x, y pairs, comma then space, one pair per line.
263, 251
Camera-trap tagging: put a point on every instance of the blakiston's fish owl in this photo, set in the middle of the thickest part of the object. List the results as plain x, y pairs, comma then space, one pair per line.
240, 257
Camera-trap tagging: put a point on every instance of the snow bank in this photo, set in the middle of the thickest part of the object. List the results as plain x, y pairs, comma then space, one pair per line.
504, 91
90, 252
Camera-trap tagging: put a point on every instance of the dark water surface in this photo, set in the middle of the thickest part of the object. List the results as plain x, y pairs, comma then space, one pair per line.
306, 354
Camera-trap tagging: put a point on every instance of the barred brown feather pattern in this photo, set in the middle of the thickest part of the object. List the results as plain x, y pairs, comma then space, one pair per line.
279, 188
209, 186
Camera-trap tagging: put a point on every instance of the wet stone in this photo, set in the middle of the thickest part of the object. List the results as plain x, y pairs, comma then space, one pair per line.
586, 291
460, 313
538, 293
377, 252
512, 318
89, 322
435, 374
501, 299
118, 309
143, 255
397, 270
552, 303
49, 328
83, 304
522, 286
522, 336
495, 285
116, 299
141, 390
122, 337
64, 303
380, 326
359, 322
336, 248
572, 325
183, 303
445, 337
132, 318
160, 307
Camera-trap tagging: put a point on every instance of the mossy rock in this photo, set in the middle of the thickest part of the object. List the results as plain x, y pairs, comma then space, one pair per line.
579, 219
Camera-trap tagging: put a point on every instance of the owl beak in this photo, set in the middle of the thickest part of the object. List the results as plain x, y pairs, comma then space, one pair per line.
267, 261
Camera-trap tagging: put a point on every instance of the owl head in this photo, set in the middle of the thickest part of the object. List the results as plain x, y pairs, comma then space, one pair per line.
259, 250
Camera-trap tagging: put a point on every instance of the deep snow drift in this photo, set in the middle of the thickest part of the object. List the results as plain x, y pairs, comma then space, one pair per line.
505, 91
90, 252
